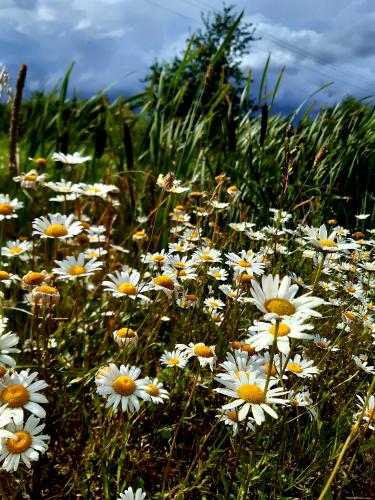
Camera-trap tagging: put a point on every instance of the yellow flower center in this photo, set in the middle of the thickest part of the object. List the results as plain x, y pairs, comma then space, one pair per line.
56, 231
139, 234
76, 270
40, 161
152, 390
213, 303
217, 275
328, 243
192, 298
281, 307
4, 275
203, 351
126, 332
158, 258
233, 415
205, 257
232, 188
244, 279
127, 289
21, 444
49, 290
124, 385
180, 273
244, 263
15, 250
178, 248
282, 330
180, 265
93, 190
15, 396
293, 367
93, 254
251, 393
173, 361
164, 281
371, 413
33, 278
267, 367
322, 345
6, 209
30, 177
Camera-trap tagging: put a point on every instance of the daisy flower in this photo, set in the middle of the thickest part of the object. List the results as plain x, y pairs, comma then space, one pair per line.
180, 247
62, 186
155, 260
231, 418
247, 390
121, 385
8, 207
39, 160
5, 418
166, 283
95, 253
238, 362
25, 445
241, 226
30, 180
45, 295
360, 361
19, 392
369, 415
277, 299
213, 303
205, 354
128, 494
74, 159
218, 273
16, 248
7, 343
72, 267
174, 359
327, 243
302, 399
301, 367
57, 226
290, 327
154, 390
170, 184
324, 343
97, 189
245, 262
7, 278
124, 284
188, 300
125, 336
34, 278
206, 255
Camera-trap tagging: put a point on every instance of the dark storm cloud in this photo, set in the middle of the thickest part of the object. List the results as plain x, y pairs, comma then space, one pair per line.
113, 42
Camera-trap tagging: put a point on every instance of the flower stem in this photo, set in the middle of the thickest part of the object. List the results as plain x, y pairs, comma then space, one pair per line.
347, 444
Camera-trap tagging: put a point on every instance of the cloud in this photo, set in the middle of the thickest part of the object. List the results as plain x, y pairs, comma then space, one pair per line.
115, 42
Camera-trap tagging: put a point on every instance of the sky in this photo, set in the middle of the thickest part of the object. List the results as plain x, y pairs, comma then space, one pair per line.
113, 43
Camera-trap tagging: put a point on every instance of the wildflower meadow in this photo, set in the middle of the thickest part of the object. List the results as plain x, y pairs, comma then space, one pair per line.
187, 299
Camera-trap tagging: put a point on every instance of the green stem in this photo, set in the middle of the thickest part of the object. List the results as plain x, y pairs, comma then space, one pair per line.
347, 443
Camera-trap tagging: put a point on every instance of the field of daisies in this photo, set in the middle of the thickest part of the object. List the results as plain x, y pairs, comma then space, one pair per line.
233, 362
187, 305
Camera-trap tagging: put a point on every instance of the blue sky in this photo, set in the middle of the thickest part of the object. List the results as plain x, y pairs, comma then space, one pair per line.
113, 42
